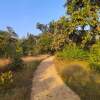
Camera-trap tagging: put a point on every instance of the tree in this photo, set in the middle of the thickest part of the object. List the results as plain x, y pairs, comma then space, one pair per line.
42, 27
44, 43
3, 35
12, 32
28, 44
84, 13
7, 44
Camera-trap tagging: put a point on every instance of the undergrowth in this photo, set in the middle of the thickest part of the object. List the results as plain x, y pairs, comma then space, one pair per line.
20, 88
86, 83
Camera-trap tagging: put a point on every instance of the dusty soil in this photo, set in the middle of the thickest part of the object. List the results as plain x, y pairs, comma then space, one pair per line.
48, 85
34, 58
4, 62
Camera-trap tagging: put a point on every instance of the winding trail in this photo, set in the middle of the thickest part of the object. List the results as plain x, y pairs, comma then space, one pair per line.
47, 84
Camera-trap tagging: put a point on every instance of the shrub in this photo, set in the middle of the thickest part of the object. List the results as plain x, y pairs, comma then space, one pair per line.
94, 57
6, 79
20, 89
16, 64
73, 52
95, 67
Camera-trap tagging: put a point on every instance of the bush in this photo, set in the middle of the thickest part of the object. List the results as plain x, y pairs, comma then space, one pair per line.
94, 57
16, 64
95, 67
6, 79
73, 52
20, 89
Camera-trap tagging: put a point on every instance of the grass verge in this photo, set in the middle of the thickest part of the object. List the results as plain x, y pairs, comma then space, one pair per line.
83, 81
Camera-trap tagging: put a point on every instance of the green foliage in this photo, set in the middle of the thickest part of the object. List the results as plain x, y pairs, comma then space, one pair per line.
73, 52
42, 27
83, 13
6, 79
44, 43
7, 44
20, 89
95, 57
58, 32
3, 40
10, 49
95, 67
28, 44
58, 42
16, 64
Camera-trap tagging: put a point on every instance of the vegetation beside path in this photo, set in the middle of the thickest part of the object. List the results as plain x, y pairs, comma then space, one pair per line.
17, 84
80, 70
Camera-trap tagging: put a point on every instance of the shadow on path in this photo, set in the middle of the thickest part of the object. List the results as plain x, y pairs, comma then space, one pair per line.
47, 84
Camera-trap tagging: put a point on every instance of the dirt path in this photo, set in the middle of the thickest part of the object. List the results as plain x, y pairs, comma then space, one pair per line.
5, 61
47, 85
34, 58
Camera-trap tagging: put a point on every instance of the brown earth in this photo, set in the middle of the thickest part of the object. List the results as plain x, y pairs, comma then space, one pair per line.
5, 61
34, 58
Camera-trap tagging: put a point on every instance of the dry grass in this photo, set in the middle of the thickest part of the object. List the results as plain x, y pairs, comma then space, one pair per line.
21, 88
63, 64
78, 76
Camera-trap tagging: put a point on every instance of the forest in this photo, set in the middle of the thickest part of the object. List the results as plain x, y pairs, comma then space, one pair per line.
74, 40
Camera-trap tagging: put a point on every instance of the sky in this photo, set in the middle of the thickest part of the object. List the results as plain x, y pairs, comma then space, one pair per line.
23, 15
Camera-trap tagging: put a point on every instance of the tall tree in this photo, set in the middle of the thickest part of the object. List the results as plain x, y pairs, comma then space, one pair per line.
28, 44
84, 13
7, 44
42, 27
12, 32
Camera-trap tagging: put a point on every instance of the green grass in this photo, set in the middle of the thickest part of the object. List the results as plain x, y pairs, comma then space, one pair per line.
21, 87
72, 53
